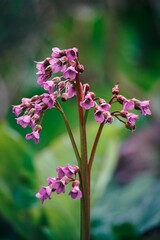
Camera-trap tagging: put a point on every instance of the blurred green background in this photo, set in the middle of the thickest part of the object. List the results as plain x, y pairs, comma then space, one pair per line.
118, 40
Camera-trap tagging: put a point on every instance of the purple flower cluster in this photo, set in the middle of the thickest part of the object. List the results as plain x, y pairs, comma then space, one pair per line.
66, 64
63, 61
102, 113
66, 175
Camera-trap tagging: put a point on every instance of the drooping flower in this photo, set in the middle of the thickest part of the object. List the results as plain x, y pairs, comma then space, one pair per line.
75, 191
72, 53
145, 107
44, 193
48, 99
98, 115
128, 105
33, 135
105, 106
60, 171
108, 117
70, 170
58, 64
88, 101
34, 119
44, 71
24, 121
71, 91
70, 72
59, 186
17, 109
132, 118
49, 86
57, 53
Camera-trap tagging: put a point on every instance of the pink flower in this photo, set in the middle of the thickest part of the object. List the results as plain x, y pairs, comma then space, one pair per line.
33, 135
132, 118
68, 171
49, 86
48, 99
17, 109
75, 192
58, 64
71, 91
70, 72
57, 53
59, 186
108, 118
128, 105
44, 193
98, 115
88, 102
24, 121
72, 53
105, 106
144, 107
60, 171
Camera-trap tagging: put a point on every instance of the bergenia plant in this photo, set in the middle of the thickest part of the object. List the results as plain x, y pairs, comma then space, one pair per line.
59, 75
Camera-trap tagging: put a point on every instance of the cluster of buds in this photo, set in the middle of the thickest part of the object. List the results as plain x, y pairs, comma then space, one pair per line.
66, 175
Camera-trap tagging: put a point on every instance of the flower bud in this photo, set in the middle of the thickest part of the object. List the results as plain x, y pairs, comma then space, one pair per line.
38, 128
121, 99
64, 97
123, 113
130, 126
80, 68
115, 89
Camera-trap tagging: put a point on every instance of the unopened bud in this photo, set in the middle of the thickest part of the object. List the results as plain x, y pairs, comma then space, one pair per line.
38, 128
92, 94
123, 113
64, 97
80, 68
115, 89
121, 99
75, 183
130, 126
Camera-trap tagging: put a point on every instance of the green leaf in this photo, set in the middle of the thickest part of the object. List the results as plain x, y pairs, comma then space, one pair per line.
136, 204
16, 183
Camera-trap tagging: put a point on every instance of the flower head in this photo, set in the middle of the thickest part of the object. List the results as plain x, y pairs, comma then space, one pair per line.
88, 101
59, 186
48, 99
98, 115
72, 53
35, 134
24, 121
44, 193
17, 109
70, 72
128, 105
132, 118
75, 191
49, 86
71, 91
144, 106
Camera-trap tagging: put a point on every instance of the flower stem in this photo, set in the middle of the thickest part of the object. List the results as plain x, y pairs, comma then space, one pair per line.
84, 170
70, 133
93, 151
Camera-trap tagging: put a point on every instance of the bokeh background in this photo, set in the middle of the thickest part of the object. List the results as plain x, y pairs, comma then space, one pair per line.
118, 40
